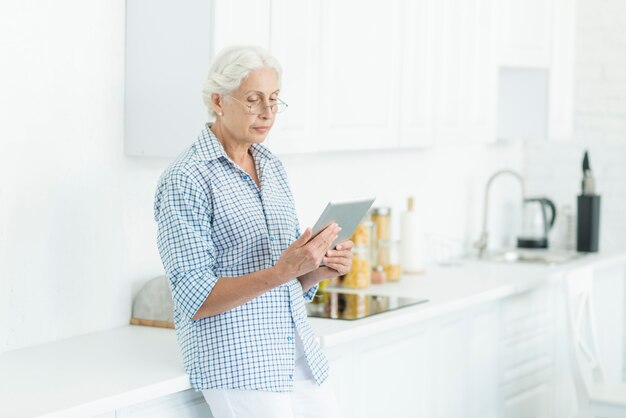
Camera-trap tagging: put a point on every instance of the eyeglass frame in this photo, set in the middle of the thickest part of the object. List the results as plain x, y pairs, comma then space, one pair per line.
279, 102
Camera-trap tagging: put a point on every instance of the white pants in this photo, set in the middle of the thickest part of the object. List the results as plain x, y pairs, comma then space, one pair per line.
306, 401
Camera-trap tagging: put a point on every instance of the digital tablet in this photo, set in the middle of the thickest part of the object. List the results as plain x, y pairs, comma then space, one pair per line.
347, 214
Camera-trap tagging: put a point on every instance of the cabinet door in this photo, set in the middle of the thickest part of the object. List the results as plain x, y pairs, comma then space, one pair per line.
482, 372
541, 34
240, 22
416, 74
465, 98
359, 76
295, 43
527, 355
525, 33
465, 356
398, 372
188, 404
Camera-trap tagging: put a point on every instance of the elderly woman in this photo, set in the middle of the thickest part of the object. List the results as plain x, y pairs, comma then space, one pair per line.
239, 270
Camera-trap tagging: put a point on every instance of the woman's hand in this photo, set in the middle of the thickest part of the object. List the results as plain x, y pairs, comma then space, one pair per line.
303, 255
339, 260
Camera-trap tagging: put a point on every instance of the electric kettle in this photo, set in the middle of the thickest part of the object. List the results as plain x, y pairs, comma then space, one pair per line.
536, 224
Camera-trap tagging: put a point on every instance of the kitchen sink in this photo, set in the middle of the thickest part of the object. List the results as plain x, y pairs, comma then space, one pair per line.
535, 256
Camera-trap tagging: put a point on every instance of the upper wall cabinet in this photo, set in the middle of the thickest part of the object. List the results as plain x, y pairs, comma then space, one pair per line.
525, 32
357, 74
240, 22
363, 75
539, 34
417, 73
167, 55
465, 81
359, 85
294, 35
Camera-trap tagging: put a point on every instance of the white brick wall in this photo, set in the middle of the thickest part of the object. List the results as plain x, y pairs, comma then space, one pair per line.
554, 169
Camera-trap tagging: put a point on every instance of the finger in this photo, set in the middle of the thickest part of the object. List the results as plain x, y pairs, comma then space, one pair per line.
342, 253
336, 261
326, 237
304, 238
328, 244
345, 245
337, 267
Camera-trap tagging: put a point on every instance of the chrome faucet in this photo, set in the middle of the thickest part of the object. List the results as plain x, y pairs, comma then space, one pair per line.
481, 244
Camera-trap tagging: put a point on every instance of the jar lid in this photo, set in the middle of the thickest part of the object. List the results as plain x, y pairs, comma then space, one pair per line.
381, 211
380, 268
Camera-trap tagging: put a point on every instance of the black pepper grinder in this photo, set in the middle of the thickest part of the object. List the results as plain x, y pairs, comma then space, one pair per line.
588, 212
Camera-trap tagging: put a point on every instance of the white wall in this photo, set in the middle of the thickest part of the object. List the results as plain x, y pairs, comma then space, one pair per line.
77, 238
75, 229
555, 169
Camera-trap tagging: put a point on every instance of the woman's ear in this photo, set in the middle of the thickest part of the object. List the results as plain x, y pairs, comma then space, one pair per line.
216, 103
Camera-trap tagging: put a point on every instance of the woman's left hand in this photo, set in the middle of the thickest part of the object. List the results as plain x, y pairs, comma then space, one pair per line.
340, 258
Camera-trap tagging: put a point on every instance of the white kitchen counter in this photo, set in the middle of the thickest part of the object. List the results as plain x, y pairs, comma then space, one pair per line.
449, 289
104, 371
91, 374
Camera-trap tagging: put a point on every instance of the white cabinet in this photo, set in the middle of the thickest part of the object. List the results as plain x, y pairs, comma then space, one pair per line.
340, 62
394, 371
362, 75
294, 35
465, 105
495, 360
359, 74
384, 376
443, 368
417, 70
526, 335
525, 32
240, 22
540, 34
188, 404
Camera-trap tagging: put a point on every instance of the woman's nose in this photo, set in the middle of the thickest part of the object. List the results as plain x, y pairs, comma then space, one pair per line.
267, 113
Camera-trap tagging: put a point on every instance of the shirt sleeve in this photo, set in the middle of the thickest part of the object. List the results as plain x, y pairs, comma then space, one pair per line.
309, 294
183, 213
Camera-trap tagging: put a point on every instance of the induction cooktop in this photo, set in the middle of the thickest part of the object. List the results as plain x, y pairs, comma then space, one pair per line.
350, 306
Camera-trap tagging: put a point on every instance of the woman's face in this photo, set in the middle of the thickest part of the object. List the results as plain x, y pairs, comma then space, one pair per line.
255, 94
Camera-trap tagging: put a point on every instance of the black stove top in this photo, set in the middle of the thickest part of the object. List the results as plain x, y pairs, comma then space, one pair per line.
350, 306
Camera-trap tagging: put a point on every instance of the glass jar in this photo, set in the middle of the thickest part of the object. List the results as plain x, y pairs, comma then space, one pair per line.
379, 276
381, 217
382, 221
389, 257
360, 274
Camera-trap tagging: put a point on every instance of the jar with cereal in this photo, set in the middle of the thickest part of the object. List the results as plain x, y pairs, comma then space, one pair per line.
360, 274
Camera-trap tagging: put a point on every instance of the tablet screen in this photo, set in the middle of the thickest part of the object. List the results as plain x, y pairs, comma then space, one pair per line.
347, 214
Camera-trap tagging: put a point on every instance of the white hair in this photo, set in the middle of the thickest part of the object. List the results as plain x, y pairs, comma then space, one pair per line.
231, 66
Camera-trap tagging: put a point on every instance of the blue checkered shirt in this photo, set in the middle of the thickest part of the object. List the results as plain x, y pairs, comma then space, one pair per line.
213, 221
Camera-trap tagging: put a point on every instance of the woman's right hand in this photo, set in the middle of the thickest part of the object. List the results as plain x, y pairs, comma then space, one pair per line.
303, 256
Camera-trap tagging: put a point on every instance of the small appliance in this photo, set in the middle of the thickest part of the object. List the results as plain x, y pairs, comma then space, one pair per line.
536, 223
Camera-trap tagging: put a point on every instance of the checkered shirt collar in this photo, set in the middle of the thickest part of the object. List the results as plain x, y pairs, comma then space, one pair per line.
209, 148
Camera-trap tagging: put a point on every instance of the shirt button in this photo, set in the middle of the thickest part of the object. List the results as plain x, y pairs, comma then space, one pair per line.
290, 338
272, 238
291, 376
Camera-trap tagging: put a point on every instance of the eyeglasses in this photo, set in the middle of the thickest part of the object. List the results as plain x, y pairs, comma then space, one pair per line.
258, 107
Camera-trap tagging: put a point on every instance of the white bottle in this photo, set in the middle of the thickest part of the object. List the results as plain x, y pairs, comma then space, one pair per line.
412, 241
